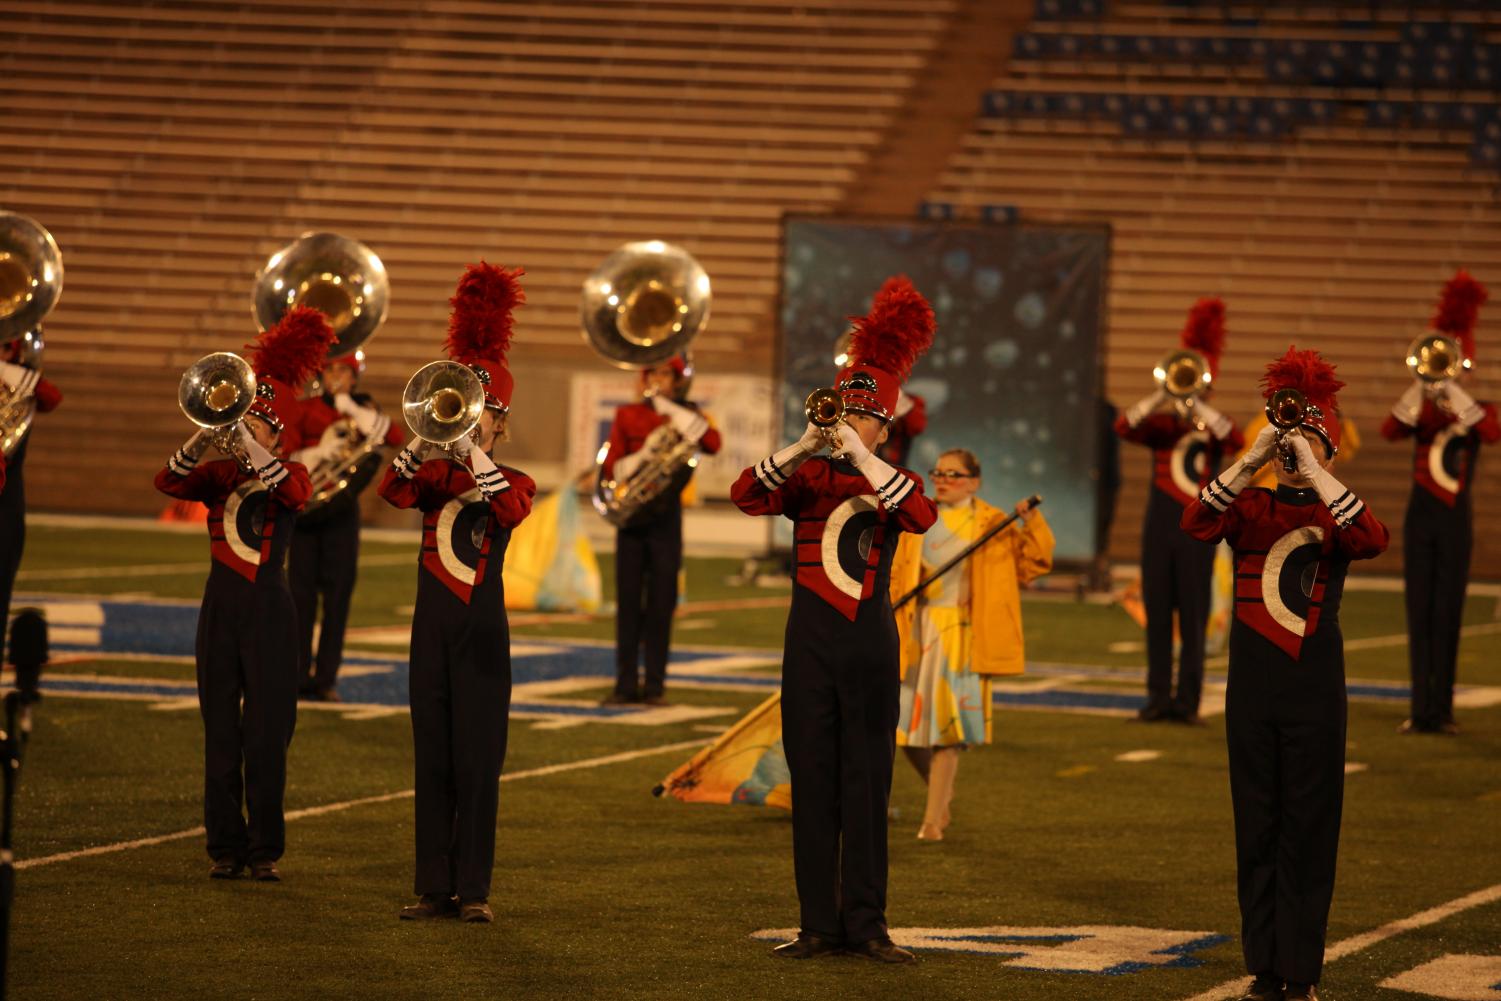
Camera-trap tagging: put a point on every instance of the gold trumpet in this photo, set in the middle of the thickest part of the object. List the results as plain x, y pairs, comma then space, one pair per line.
1183, 375
442, 402
1435, 358
825, 410
214, 393
1286, 410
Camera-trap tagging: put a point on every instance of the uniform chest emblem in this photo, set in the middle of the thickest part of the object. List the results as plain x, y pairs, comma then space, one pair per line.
1445, 457
847, 537
461, 534
1289, 575
245, 520
1190, 457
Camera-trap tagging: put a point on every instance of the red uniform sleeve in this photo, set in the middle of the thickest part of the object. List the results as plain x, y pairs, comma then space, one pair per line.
400, 492
916, 511
1208, 525
617, 447
210, 483
1489, 427
1154, 431
1394, 430
710, 443
512, 506
295, 488
751, 495
915, 421
1364, 538
396, 436
48, 396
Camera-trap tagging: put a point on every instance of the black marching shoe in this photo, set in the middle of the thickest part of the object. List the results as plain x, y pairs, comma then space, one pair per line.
618, 699
1301, 992
226, 868
882, 950
1152, 714
476, 912
806, 946
432, 905
1264, 988
264, 872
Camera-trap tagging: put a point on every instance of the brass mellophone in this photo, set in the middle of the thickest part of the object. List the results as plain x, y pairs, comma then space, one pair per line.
825, 410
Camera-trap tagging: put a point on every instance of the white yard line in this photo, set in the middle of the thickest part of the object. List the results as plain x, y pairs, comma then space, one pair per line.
318, 811
1357, 943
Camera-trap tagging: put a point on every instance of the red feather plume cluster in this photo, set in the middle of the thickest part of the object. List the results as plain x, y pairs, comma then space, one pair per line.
295, 348
1306, 371
896, 332
1204, 331
480, 327
1457, 308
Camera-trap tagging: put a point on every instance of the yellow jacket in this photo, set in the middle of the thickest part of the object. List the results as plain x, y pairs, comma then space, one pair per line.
997, 570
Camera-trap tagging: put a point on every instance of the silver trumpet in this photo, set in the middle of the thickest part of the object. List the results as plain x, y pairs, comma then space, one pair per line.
443, 402
214, 393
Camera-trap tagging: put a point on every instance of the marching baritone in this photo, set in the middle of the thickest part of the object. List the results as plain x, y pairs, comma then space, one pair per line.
1447, 426
247, 630
1188, 443
22, 383
326, 543
461, 644
649, 545
840, 674
1285, 706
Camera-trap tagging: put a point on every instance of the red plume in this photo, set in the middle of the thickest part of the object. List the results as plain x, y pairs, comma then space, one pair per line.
295, 348
1306, 371
1205, 331
897, 330
479, 328
1457, 309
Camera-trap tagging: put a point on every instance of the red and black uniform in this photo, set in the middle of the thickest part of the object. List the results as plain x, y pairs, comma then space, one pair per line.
1285, 709
1176, 570
648, 556
460, 663
325, 552
13, 502
840, 680
246, 647
905, 426
1437, 537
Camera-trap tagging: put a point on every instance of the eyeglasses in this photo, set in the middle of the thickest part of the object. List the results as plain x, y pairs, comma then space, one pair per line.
950, 474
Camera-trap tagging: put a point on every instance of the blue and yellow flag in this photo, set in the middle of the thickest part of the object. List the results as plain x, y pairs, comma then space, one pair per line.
745, 765
550, 566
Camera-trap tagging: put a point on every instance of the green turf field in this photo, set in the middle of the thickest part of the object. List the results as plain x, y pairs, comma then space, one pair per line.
602, 891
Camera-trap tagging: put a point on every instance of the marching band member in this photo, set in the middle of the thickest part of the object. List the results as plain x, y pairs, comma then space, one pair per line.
326, 543
1447, 426
1285, 708
840, 673
247, 631
649, 548
910, 421
1187, 447
22, 382
461, 644
963, 629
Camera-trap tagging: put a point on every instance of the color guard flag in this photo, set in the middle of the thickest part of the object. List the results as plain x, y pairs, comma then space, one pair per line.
745, 765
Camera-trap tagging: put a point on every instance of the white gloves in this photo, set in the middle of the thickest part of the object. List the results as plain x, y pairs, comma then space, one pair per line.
1465, 408
685, 421
259, 457
626, 466
1409, 404
892, 485
371, 422
185, 459
1342, 504
409, 459
853, 448
774, 470
1138, 411
1224, 488
1218, 424
487, 476
812, 441
461, 446
19, 379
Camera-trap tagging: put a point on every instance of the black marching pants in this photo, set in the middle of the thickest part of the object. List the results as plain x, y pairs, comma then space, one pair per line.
1436, 542
647, 561
1176, 572
247, 694
323, 562
840, 703
1285, 726
461, 701
12, 532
